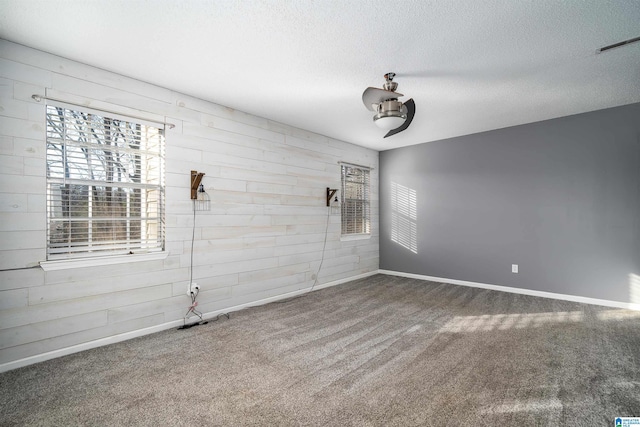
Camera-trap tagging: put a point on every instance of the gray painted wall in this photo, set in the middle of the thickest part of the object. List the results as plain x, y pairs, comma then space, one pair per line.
561, 198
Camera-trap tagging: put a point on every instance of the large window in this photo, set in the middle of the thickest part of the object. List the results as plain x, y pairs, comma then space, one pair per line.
105, 185
356, 211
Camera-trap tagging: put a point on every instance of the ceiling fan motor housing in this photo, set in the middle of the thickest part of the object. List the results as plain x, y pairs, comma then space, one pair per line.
390, 86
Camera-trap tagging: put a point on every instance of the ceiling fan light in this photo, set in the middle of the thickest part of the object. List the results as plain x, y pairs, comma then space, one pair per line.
388, 122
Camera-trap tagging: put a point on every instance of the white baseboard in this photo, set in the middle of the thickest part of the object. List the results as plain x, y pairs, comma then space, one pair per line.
542, 294
164, 326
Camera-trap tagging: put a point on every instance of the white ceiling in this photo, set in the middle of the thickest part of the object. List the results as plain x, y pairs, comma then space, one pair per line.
470, 65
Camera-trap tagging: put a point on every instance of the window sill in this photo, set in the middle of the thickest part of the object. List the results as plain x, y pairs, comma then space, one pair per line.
104, 260
349, 237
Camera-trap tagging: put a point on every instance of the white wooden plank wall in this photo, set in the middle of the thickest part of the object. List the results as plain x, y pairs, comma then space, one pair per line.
263, 236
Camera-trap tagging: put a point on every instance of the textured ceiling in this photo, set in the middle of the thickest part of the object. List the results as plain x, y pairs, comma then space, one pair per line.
470, 65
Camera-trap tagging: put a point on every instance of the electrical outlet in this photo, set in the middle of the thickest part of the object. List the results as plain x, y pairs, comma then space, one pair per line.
514, 268
193, 288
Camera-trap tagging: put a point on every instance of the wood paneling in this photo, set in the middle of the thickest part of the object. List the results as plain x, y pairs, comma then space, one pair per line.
262, 237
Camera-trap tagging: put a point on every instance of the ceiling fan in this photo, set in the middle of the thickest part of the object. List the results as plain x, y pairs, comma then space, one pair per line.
391, 114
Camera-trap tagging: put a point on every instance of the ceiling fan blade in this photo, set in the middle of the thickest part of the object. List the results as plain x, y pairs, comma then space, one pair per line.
373, 95
411, 111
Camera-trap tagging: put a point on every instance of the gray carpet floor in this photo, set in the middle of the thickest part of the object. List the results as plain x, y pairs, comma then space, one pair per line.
381, 351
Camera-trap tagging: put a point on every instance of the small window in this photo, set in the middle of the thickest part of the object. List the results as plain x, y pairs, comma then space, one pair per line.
356, 211
105, 185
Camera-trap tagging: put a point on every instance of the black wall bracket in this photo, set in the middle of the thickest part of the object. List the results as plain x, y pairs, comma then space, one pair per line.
196, 177
330, 194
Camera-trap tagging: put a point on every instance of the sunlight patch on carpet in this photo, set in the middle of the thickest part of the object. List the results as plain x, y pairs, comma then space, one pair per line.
503, 322
530, 406
618, 315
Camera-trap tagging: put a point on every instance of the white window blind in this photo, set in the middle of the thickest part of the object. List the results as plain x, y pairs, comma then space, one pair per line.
356, 211
105, 185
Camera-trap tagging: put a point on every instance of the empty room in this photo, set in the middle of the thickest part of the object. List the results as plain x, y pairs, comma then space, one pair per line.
319, 213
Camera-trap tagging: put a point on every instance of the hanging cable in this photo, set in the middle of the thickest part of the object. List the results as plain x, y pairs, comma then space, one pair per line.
324, 245
315, 281
193, 238
193, 293
200, 200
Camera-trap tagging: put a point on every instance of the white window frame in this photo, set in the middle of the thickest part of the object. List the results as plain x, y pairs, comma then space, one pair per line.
149, 204
355, 201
